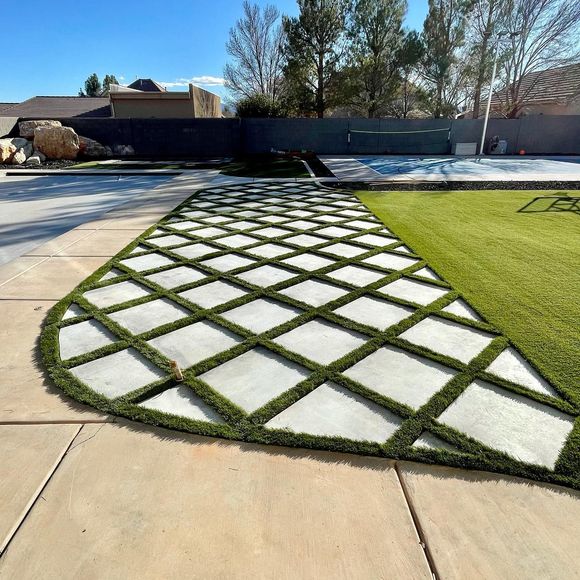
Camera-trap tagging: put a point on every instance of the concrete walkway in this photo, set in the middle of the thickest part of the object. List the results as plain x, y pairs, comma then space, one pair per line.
83, 496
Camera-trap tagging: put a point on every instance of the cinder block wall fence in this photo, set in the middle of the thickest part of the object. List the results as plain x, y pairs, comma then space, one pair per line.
537, 135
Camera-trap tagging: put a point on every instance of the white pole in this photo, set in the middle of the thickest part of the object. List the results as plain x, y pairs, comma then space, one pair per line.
489, 98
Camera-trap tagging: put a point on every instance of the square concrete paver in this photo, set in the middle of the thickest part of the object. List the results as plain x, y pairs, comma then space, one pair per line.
426, 273
362, 224
309, 262
390, 261
401, 375
145, 317
429, 441
375, 312
194, 343
461, 308
183, 402
314, 292
30, 454
273, 219
176, 277
512, 366
306, 240
254, 378
183, 226
375, 240
270, 250
413, 291
237, 241
272, 232
228, 262
330, 219
147, 262
208, 232
266, 275
168, 241
343, 250
516, 425
243, 225
321, 341
335, 231
356, 275
293, 502
118, 374
302, 224
448, 338
333, 411
195, 251
116, 293
214, 294
73, 311
83, 337
483, 525
262, 314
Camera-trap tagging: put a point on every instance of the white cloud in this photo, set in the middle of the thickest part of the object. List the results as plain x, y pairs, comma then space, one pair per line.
205, 80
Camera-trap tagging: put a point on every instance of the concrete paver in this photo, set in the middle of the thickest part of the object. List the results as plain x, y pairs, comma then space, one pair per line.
481, 525
246, 511
29, 455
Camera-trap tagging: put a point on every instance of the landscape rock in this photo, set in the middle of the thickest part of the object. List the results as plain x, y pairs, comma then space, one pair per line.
33, 161
40, 155
19, 157
20, 143
26, 128
92, 148
123, 150
7, 150
57, 142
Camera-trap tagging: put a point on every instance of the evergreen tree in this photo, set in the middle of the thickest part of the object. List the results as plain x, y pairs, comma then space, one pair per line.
314, 49
93, 86
108, 81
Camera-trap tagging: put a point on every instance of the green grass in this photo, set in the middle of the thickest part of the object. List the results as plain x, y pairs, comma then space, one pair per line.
520, 270
142, 165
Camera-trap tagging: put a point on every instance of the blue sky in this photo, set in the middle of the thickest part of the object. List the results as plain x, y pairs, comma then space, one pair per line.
58, 43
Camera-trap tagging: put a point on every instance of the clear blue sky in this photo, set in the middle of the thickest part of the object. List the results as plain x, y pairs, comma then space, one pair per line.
58, 43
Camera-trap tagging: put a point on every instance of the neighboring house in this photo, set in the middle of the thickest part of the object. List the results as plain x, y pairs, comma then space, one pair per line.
554, 91
131, 103
59, 108
147, 85
151, 101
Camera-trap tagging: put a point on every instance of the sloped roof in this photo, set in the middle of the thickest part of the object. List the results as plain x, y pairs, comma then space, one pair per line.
6, 105
147, 85
59, 108
555, 85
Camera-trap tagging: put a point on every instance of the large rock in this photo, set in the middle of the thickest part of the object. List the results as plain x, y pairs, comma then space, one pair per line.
92, 148
7, 150
57, 142
33, 161
26, 128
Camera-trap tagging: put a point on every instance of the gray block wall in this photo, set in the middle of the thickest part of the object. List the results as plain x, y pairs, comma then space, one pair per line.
537, 135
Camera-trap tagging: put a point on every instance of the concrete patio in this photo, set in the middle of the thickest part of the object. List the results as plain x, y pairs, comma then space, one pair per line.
100, 484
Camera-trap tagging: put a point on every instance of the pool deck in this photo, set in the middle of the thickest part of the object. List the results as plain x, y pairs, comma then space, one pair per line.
448, 168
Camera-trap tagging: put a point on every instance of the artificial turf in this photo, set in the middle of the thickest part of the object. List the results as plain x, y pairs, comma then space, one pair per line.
520, 270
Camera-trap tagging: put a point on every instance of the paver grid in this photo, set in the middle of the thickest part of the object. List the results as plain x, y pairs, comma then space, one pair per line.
297, 280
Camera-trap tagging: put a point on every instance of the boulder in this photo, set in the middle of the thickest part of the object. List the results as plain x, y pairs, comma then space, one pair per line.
20, 143
57, 142
19, 157
123, 150
91, 148
7, 150
26, 128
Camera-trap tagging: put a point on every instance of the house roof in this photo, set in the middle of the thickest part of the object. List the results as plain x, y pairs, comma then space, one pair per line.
555, 85
59, 108
147, 85
6, 105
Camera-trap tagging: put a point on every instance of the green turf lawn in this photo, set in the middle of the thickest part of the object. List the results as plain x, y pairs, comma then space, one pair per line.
521, 271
